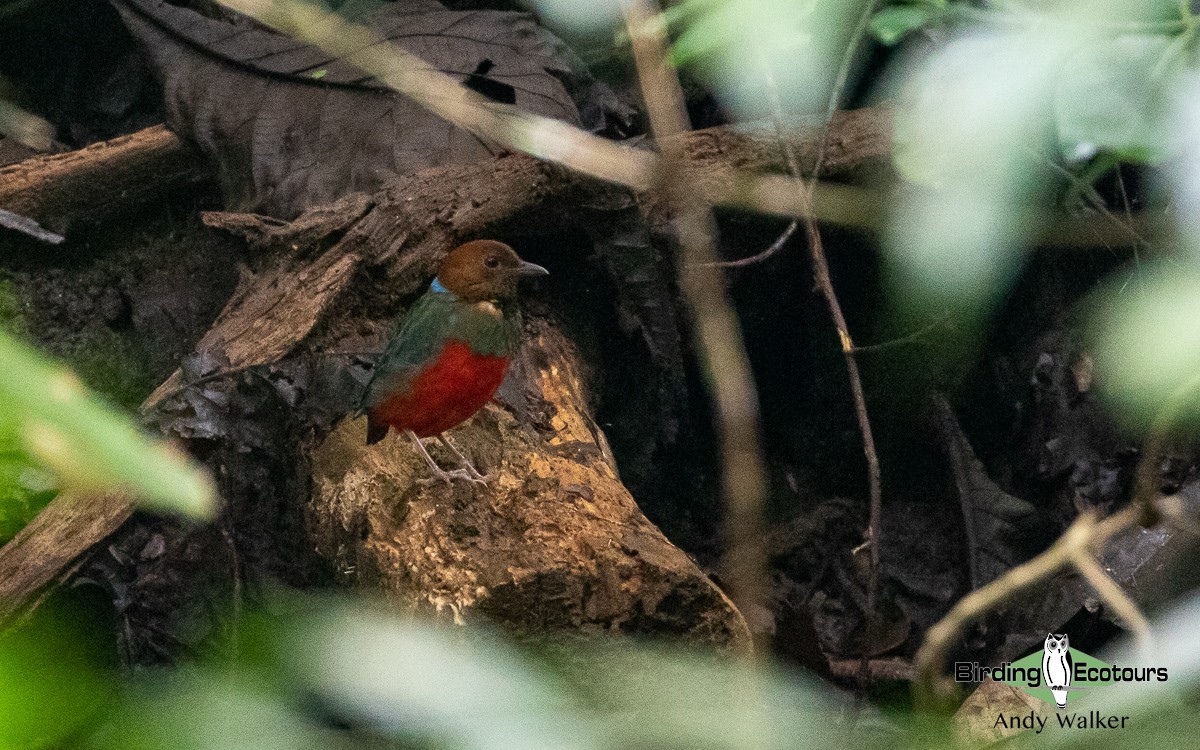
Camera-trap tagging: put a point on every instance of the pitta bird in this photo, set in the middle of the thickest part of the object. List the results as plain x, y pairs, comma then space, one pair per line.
447, 356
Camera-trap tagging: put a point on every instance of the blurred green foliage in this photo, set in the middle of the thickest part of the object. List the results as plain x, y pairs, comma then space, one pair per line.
1010, 102
320, 664
1146, 339
1010, 93
107, 363
754, 53
89, 445
52, 688
25, 488
54, 434
327, 673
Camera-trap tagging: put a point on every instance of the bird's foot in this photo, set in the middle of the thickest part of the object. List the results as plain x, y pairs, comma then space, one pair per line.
440, 474
475, 475
465, 464
448, 477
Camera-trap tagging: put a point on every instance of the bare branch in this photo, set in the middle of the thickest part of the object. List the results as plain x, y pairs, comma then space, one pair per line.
722, 352
1079, 543
1115, 597
1085, 534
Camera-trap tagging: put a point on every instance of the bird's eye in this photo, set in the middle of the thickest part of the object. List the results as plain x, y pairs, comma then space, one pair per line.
492, 262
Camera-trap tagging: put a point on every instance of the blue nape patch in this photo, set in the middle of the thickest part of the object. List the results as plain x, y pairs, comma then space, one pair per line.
436, 286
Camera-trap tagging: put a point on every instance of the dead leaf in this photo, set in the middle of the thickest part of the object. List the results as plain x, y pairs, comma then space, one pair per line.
289, 127
991, 516
975, 722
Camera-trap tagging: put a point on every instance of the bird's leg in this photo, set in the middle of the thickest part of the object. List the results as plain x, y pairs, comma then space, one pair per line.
438, 472
464, 463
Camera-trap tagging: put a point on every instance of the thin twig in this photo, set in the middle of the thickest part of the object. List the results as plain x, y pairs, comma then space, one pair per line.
825, 283
821, 273
916, 335
759, 257
1115, 597
719, 337
839, 83
1085, 534
1096, 202
789, 153
789, 158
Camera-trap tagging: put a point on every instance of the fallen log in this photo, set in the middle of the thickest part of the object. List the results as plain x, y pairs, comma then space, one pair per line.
45, 551
401, 234
556, 542
62, 191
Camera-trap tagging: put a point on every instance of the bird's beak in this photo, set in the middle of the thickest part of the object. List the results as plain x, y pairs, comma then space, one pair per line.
530, 269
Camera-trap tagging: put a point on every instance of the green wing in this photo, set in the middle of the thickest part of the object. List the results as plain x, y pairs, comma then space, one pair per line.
435, 318
419, 337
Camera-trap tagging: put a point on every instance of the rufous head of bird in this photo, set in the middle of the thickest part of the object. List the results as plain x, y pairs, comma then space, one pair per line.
485, 270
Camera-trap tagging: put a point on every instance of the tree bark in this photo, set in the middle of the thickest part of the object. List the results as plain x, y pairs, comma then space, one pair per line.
46, 549
62, 191
400, 233
554, 542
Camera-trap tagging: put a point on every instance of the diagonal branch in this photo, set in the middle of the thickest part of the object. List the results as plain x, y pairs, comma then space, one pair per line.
718, 332
1115, 597
1076, 547
931, 688
541, 137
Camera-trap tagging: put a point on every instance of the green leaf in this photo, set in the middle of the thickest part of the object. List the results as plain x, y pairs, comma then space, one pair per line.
707, 36
955, 234
416, 681
1110, 97
435, 687
88, 444
1147, 342
753, 53
890, 25
51, 686
24, 489
197, 709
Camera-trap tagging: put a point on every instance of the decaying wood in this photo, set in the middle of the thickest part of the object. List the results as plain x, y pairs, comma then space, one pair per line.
555, 542
419, 217
62, 190
38, 556
401, 233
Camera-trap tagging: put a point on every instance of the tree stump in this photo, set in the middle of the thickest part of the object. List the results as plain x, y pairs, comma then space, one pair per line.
555, 542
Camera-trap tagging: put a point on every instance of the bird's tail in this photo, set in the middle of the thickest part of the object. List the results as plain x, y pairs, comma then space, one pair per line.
376, 429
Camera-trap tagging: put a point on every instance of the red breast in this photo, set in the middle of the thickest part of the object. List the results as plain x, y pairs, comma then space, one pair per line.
455, 385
